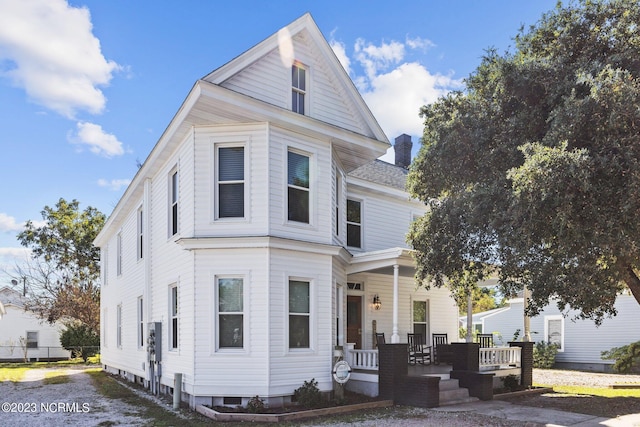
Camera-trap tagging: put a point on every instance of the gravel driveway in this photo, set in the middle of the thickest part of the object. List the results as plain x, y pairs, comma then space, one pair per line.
31, 403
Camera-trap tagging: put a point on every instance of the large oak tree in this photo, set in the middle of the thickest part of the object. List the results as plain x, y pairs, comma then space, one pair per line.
63, 275
535, 167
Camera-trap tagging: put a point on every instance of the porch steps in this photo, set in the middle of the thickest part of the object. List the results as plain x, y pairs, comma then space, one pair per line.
452, 394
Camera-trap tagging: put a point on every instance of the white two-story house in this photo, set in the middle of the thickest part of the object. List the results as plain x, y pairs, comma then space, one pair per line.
261, 232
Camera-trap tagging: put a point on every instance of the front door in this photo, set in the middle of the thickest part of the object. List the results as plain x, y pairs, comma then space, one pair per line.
354, 320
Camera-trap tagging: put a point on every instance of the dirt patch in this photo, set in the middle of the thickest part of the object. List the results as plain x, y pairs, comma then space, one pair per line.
31, 403
609, 407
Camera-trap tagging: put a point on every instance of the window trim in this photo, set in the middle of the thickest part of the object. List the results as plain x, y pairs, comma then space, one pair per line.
119, 325
140, 234
425, 339
304, 92
216, 181
174, 318
310, 315
351, 223
562, 333
119, 253
141, 335
310, 191
28, 342
173, 205
245, 313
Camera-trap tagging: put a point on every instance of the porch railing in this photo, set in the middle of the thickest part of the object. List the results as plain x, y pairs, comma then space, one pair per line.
361, 359
499, 357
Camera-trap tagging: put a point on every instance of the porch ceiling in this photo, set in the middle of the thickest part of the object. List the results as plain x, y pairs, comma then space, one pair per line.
382, 262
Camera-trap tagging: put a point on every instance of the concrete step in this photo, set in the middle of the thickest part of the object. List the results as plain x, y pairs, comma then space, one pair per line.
451, 393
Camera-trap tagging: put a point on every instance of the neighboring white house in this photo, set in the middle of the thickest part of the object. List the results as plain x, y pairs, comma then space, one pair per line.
259, 232
580, 342
22, 331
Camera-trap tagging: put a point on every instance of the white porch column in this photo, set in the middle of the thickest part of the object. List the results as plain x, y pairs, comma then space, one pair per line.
527, 324
469, 316
395, 337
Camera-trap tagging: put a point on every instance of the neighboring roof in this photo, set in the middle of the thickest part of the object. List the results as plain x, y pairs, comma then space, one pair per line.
383, 173
478, 317
10, 296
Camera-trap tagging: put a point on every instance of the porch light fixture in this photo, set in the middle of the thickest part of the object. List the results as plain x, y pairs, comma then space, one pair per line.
376, 302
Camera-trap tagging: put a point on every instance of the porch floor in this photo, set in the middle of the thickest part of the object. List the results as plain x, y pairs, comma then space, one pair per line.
418, 370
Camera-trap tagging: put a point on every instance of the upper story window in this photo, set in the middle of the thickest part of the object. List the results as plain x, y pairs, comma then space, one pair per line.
354, 223
119, 254
298, 88
230, 182
298, 196
173, 203
140, 239
338, 200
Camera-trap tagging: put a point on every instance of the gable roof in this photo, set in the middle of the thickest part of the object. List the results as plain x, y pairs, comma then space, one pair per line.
281, 42
209, 102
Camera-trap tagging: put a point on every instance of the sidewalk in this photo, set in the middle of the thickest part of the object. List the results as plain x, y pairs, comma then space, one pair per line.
547, 417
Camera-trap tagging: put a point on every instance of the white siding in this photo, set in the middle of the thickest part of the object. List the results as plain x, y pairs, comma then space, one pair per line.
270, 81
254, 137
385, 219
320, 229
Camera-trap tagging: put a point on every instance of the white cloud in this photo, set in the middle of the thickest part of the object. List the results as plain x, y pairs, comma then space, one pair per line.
53, 54
21, 253
394, 87
341, 53
114, 184
8, 223
99, 141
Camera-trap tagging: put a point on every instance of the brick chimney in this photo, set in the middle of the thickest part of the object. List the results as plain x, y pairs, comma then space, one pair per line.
402, 148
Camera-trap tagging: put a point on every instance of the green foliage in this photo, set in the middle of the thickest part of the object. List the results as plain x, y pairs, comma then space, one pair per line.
511, 382
484, 299
81, 340
62, 276
535, 166
516, 335
308, 395
544, 355
627, 357
255, 405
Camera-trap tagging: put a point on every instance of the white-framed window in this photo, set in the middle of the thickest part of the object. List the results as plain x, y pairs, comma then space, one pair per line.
173, 315
140, 239
421, 319
230, 308
554, 330
119, 326
354, 223
230, 181
298, 187
119, 254
298, 88
299, 314
355, 286
32, 339
104, 254
141, 337
174, 198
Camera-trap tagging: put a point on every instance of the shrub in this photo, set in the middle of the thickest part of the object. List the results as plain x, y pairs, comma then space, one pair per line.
80, 340
627, 357
255, 405
511, 382
308, 395
544, 355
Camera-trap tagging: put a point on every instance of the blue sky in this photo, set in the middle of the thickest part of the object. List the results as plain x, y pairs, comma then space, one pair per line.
88, 86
